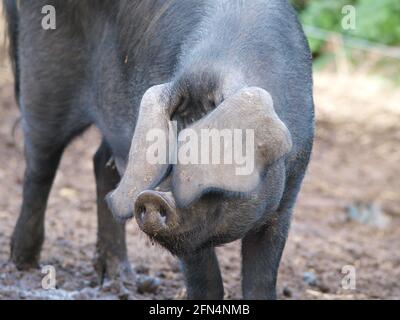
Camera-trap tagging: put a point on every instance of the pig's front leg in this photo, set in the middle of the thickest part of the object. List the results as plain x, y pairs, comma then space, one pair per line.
203, 276
111, 259
261, 254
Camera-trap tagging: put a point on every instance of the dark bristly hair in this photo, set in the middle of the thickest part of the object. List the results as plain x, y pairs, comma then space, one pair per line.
10, 8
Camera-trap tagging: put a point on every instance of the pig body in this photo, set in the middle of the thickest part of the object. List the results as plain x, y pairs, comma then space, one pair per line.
95, 68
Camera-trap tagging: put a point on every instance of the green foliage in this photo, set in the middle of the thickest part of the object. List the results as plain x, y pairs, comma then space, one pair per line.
376, 20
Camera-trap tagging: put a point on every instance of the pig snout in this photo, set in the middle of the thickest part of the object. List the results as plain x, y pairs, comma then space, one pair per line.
155, 212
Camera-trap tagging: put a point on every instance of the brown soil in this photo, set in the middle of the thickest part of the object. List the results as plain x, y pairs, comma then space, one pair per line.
356, 158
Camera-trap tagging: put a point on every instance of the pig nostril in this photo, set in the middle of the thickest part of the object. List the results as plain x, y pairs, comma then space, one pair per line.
163, 212
142, 210
155, 212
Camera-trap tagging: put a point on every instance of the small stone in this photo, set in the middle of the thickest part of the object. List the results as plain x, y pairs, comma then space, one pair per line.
85, 294
124, 295
147, 284
323, 288
287, 292
93, 283
22, 295
310, 278
368, 213
142, 269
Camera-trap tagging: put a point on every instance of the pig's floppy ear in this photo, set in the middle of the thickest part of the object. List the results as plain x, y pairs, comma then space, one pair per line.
251, 111
140, 173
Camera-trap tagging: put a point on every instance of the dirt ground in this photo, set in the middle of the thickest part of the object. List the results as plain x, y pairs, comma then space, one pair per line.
356, 160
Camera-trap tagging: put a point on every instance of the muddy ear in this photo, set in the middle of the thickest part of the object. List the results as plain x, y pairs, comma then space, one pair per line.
247, 119
141, 173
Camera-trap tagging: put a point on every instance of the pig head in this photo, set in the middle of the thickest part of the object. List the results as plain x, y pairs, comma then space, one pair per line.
187, 206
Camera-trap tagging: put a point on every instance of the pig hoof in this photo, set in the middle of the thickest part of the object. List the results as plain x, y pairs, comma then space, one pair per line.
114, 270
25, 251
116, 277
23, 260
24, 264
117, 288
147, 284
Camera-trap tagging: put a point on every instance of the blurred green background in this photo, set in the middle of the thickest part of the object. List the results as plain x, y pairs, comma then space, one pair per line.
374, 40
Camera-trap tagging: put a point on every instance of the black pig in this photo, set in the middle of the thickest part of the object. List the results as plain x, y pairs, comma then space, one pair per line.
130, 66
